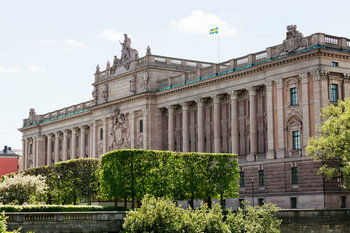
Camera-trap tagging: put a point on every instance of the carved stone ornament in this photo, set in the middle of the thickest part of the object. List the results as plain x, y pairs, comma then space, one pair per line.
97, 69
32, 116
295, 111
148, 50
294, 40
94, 95
128, 54
105, 92
119, 131
144, 82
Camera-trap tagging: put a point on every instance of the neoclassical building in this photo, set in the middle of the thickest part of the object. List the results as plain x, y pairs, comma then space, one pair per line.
263, 106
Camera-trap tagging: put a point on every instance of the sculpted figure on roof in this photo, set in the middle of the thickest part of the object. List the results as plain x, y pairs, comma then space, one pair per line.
128, 54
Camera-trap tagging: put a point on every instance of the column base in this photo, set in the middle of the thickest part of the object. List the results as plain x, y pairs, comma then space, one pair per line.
270, 154
280, 154
251, 158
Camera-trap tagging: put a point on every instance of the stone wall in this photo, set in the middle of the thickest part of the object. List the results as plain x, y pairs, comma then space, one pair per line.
320, 221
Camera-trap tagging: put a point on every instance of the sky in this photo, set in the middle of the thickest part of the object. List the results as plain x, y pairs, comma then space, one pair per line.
49, 49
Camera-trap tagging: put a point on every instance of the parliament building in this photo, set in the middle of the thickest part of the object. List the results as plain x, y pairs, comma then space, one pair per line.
263, 106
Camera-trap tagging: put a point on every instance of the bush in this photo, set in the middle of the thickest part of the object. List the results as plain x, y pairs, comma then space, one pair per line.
161, 215
3, 226
130, 174
20, 189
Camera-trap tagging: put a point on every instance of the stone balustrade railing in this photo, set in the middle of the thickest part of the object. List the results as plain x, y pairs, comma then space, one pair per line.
64, 112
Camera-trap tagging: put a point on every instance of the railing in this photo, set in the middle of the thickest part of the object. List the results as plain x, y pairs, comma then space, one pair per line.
330, 40
242, 61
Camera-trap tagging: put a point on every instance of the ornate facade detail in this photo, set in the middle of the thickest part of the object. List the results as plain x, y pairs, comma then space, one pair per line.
295, 111
279, 83
105, 92
115, 61
304, 78
148, 51
94, 95
97, 69
252, 90
32, 116
268, 86
234, 95
319, 75
128, 54
119, 132
133, 84
144, 82
294, 40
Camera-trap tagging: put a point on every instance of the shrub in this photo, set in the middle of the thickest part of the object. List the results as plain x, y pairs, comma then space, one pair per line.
20, 188
161, 215
3, 226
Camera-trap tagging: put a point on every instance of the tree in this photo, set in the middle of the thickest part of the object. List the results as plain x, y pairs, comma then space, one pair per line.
332, 146
19, 189
3, 225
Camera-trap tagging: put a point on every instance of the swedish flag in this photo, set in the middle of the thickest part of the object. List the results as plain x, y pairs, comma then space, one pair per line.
214, 31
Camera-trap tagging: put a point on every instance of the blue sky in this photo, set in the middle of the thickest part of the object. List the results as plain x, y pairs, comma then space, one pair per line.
49, 49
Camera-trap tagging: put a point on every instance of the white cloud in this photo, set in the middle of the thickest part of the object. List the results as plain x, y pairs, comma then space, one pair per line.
74, 43
111, 34
35, 68
200, 23
10, 69
48, 42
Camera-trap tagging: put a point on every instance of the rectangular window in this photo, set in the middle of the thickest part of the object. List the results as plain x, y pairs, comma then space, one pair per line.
293, 96
296, 140
241, 179
261, 178
334, 92
334, 63
343, 202
261, 201
293, 203
294, 175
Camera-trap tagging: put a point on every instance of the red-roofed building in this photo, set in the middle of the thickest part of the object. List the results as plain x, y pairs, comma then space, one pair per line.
8, 161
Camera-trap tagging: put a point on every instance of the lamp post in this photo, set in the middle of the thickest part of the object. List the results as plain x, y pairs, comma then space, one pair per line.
253, 189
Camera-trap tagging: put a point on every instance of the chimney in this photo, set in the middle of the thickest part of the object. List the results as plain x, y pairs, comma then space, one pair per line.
5, 149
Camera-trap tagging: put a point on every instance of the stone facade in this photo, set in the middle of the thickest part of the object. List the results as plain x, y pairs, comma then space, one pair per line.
263, 106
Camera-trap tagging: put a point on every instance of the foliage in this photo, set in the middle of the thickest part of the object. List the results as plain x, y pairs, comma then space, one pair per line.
130, 174
70, 181
255, 219
161, 215
3, 226
58, 208
20, 188
333, 144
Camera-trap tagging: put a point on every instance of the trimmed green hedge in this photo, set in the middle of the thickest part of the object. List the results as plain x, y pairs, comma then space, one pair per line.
130, 174
58, 208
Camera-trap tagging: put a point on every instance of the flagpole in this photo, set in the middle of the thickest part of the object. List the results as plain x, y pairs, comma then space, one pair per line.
218, 46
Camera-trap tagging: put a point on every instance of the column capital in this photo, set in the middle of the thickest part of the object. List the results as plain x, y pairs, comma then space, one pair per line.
171, 109
58, 133
185, 106
216, 98
319, 75
65, 132
279, 83
200, 102
234, 95
268, 85
251, 90
49, 136
304, 78
74, 131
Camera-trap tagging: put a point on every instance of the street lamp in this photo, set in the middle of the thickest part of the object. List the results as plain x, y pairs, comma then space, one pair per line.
253, 189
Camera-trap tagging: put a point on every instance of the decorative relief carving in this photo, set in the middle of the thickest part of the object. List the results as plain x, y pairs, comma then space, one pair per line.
119, 131
133, 84
304, 78
319, 75
105, 92
294, 40
32, 116
139, 144
279, 83
268, 86
252, 90
295, 111
94, 95
100, 147
144, 82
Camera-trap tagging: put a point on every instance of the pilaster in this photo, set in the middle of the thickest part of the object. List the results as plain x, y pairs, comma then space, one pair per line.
305, 107
185, 134
200, 124
49, 150
270, 154
280, 120
171, 128
217, 123
234, 122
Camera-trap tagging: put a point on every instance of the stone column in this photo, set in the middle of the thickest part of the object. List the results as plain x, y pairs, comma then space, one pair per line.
65, 145
74, 144
171, 128
347, 86
24, 153
269, 118
305, 107
82, 142
34, 151
146, 128
200, 125
185, 135
104, 147
49, 149
280, 120
92, 145
320, 97
217, 124
234, 122
253, 129
57, 148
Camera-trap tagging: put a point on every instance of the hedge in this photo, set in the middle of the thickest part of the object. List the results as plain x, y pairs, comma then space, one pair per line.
58, 208
130, 174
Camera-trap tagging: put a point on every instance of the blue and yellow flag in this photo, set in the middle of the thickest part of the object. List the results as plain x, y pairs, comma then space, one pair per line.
214, 31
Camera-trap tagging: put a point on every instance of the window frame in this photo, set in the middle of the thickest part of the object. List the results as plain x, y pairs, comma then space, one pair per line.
241, 179
293, 91
293, 203
141, 126
101, 133
294, 171
261, 178
334, 95
296, 140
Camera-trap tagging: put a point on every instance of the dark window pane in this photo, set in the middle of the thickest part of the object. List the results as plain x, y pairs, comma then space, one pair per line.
241, 179
293, 203
141, 126
334, 92
296, 140
293, 96
261, 201
101, 134
294, 175
261, 178
343, 202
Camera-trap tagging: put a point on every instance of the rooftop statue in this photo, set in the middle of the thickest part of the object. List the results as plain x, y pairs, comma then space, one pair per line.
294, 40
128, 54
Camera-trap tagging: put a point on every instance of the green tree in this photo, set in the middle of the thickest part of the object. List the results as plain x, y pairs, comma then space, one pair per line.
332, 146
3, 226
19, 189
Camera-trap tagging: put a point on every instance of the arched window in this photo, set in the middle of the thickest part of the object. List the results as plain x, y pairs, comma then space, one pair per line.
141, 126
101, 134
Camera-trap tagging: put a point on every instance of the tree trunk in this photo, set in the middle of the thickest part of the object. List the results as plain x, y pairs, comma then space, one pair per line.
209, 202
115, 202
89, 199
125, 203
